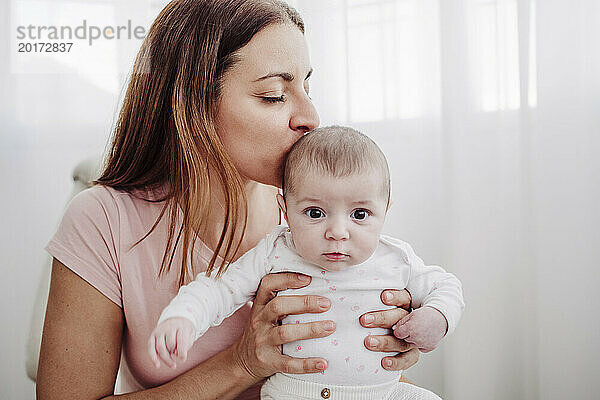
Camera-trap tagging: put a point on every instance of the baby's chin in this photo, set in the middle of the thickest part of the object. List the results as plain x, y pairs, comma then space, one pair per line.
334, 266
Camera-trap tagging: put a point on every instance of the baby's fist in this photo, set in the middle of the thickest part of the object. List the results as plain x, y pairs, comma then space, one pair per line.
423, 327
170, 341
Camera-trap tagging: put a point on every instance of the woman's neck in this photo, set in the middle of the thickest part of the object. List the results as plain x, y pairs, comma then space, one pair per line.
263, 215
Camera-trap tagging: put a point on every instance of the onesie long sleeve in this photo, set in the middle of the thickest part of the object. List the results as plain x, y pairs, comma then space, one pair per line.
207, 301
430, 285
353, 292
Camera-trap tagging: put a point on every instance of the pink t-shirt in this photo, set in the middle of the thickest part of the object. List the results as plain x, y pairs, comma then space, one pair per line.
95, 241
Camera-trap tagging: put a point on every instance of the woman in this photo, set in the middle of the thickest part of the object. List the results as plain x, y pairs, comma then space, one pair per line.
218, 95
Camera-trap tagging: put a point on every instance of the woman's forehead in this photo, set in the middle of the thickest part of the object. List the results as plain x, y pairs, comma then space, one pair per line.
278, 51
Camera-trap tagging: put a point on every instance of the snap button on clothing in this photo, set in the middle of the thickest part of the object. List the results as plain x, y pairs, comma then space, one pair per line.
325, 393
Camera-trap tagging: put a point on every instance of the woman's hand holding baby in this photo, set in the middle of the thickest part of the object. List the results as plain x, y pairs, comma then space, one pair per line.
423, 328
170, 341
258, 351
407, 355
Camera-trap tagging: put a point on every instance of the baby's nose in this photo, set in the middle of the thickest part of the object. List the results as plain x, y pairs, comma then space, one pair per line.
337, 231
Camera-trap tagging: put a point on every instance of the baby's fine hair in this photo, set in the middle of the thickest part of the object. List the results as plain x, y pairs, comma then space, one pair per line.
336, 150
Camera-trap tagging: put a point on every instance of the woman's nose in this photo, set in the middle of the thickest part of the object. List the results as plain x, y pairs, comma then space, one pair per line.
305, 118
337, 230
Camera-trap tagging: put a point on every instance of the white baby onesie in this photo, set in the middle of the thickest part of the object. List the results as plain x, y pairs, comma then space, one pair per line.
206, 302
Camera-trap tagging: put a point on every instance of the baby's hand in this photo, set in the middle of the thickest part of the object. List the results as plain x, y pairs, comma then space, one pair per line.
423, 327
170, 341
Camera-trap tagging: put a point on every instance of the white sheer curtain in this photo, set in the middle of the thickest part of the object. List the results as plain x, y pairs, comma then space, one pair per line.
489, 112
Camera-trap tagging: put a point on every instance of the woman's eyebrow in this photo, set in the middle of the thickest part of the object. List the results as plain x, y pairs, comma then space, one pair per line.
286, 76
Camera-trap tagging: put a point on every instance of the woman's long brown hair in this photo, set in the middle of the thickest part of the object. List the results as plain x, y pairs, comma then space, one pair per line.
165, 136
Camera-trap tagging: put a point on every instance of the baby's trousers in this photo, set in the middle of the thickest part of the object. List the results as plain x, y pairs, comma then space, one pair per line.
282, 387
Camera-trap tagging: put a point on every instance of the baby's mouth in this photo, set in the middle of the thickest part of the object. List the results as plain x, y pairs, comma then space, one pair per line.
336, 256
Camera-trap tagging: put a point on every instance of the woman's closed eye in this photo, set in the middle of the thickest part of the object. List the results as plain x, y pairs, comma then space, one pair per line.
274, 99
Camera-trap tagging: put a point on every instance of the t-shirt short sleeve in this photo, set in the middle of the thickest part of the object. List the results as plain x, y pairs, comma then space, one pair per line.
87, 241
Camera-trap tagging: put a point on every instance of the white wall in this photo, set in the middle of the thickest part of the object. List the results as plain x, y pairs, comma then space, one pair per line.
49, 122
36, 161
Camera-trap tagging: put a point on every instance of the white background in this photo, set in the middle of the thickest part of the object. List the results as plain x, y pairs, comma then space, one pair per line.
488, 110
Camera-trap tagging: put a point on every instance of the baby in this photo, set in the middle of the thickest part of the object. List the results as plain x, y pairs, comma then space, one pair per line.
336, 192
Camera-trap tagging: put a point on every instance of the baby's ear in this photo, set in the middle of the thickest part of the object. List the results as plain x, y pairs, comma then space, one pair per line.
281, 203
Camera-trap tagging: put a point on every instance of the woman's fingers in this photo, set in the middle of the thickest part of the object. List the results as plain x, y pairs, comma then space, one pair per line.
407, 357
290, 365
401, 361
388, 318
273, 283
407, 354
382, 319
398, 298
282, 306
259, 348
387, 343
291, 332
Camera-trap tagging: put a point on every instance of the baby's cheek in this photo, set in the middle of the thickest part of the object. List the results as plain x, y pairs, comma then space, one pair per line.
306, 247
368, 247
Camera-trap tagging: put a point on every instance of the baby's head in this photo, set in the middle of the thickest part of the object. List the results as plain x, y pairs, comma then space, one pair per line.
336, 191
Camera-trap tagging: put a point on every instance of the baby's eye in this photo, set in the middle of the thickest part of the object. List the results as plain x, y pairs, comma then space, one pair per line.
359, 214
314, 213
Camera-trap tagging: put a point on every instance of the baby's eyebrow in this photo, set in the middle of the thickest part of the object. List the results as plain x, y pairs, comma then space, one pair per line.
363, 203
308, 200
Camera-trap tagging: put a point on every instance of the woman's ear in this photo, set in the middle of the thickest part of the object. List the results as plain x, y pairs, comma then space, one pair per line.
281, 203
